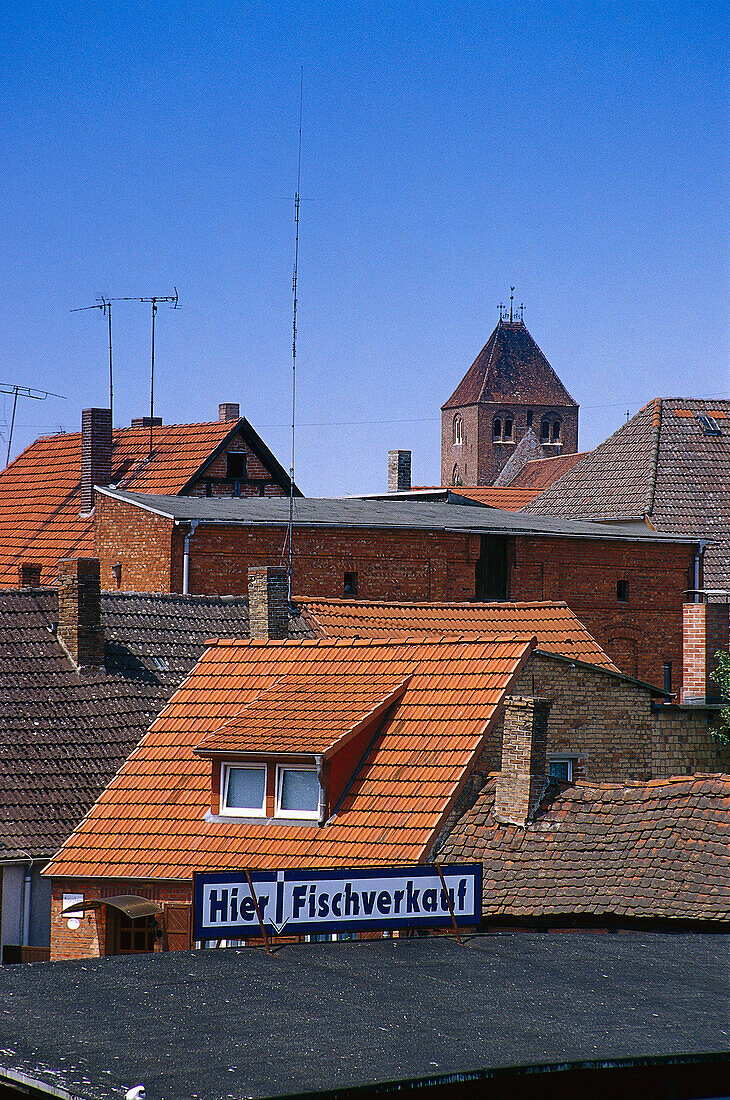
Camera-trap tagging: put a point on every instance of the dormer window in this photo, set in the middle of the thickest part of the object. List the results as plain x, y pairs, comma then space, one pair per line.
297, 792
243, 790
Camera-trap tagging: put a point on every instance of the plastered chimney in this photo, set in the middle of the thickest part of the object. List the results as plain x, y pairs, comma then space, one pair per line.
96, 453
399, 471
268, 602
79, 611
524, 759
704, 631
229, 410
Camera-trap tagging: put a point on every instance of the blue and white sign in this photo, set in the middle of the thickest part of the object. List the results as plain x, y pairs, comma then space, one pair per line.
358, 899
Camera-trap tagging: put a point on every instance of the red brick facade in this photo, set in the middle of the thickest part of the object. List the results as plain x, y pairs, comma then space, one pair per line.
640, 631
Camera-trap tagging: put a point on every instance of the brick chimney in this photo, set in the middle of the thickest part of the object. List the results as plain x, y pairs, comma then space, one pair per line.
229, 410
79, 611
96, 453
524, 759
147, 422
399, 471
705, 630
268, 603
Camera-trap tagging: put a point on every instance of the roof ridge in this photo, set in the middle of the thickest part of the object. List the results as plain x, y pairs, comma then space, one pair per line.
346, 601
415, 639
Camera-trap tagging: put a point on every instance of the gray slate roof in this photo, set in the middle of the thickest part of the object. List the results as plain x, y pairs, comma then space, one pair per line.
410, 515
334, 1016
64, 734
661, 464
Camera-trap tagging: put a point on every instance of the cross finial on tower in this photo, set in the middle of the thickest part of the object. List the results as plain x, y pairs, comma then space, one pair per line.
511, 300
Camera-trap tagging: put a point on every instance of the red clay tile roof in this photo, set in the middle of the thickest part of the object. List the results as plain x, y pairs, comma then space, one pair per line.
152, 820
555, 626
40, 501
638, 850
512, 500
510, 367
542, 472
661, 464
308, 714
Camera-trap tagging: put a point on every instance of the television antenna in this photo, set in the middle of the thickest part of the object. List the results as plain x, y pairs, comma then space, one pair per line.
105, 305
290, 525
23, 391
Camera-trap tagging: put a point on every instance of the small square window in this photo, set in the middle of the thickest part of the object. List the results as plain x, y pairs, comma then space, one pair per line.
622, 590
562, 769
244, 790
235, 465
297, 792
350, 585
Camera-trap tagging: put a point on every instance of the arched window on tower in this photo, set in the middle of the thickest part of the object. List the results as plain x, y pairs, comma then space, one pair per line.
555, 432
507, 431
456, 475
458, 429
545, 431
497, 428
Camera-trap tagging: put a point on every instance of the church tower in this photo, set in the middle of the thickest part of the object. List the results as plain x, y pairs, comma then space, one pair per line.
509, 398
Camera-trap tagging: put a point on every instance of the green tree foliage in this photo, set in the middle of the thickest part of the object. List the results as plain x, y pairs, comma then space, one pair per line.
721, 676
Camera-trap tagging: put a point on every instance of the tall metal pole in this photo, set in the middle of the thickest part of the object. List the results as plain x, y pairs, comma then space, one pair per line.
290, 568
111, 371
12, 425
152, 372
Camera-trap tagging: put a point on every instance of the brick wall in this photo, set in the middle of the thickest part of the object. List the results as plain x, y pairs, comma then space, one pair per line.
609, 726
89, 940
139, 541
705, 632
639, 633
479, 458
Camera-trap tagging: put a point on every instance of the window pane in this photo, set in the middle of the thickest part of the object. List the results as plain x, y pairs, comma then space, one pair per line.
560, 769
299, 791
246, 788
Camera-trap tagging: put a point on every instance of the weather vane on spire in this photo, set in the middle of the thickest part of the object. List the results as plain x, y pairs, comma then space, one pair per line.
512, 315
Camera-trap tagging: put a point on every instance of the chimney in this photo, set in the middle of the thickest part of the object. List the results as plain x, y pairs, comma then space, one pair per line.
399, 471
268, 602
704, 631
96, 453
147, 422
229, 410
524, 759
79, 611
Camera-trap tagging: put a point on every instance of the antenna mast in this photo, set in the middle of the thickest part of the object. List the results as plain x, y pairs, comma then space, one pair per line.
23, 391
289, 534
105, 305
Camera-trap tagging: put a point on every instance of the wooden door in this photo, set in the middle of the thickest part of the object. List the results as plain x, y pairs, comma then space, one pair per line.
178, 927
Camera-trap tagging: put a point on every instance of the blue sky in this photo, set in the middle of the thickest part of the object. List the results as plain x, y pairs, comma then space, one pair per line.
576, 151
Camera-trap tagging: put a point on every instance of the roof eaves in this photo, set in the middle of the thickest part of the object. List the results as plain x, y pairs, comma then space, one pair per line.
616, 673
213, 455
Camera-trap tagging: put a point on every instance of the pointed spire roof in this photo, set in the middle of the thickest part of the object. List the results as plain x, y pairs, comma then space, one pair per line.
510, 369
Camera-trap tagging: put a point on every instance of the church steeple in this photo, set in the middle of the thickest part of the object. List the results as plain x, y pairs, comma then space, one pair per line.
509, 388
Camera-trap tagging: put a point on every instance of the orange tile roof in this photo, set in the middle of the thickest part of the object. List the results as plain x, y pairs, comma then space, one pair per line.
556, 627
541, 472
308, 714
40, 501
152, 821
508, 498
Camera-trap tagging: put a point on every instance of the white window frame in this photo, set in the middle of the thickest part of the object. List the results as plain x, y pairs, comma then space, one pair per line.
241, 811
299, 815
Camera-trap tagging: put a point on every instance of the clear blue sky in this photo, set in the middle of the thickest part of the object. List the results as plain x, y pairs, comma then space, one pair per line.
575, 150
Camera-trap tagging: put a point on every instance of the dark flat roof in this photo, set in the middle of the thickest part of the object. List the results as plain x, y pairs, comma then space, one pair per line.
391, 514
232, 1023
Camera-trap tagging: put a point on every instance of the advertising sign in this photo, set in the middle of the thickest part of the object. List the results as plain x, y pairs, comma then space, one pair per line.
358, 899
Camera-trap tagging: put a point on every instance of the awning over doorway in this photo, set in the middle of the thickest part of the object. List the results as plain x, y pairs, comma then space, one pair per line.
131, 904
